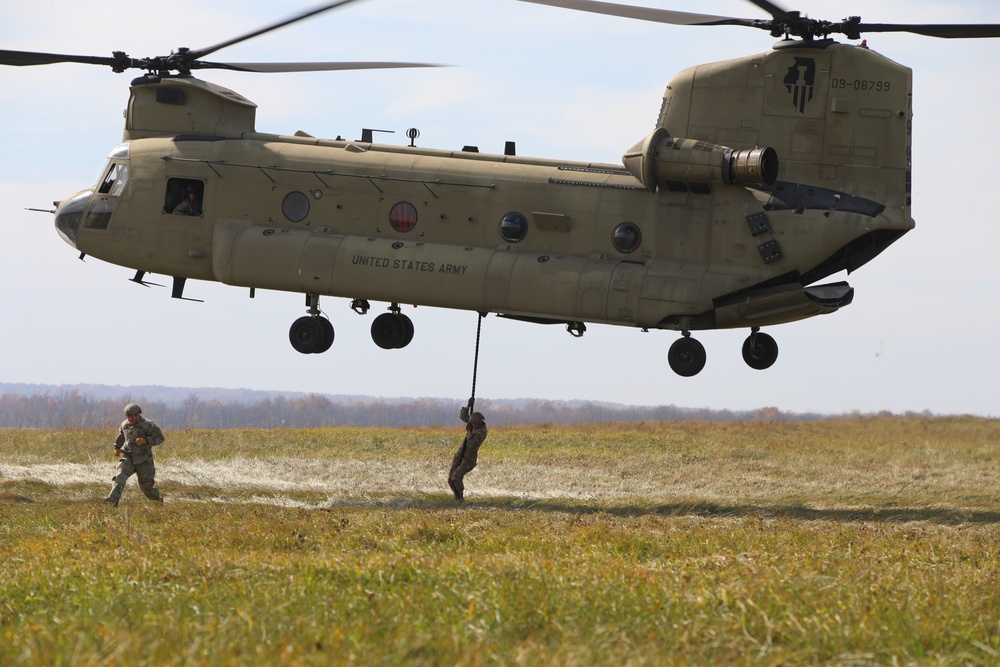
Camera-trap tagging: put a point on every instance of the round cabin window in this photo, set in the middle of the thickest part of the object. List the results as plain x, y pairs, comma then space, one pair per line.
403, 216
295, 206
626, 237
513, 227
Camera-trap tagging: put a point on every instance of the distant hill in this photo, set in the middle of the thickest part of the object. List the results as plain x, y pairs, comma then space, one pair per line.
173, 396
100, 406
167, 395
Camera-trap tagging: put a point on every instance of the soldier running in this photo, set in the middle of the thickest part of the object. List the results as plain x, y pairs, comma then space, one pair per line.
134, 448
467, 455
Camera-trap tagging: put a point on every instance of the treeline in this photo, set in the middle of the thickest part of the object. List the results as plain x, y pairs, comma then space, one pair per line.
73, 409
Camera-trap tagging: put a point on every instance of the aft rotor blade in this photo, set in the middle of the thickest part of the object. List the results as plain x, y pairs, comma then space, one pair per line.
782, 21
646, 13
23, 58
955, 31
200, 53
305, 67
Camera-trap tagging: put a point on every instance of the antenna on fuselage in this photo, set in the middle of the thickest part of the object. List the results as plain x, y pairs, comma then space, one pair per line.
138, 278
366, 134
177, 292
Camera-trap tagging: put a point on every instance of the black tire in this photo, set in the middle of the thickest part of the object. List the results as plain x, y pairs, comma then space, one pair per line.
686, 357
762, 353
407, 330
328, 335
388, 331
306, 334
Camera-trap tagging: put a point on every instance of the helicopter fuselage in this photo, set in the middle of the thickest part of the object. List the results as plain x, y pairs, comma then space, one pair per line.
762, 176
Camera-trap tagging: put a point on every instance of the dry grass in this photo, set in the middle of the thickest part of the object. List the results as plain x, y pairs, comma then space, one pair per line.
869, 541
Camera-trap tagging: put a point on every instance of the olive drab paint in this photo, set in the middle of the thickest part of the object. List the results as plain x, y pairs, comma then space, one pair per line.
764, 175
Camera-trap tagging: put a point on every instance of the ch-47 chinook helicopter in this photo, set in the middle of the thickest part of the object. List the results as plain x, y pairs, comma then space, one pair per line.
763, 176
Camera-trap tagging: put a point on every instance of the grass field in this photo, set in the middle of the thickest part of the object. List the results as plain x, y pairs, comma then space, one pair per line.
854, 542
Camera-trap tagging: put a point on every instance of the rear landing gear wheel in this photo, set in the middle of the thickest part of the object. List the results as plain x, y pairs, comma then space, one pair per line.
686, 357
760, 351
392, 331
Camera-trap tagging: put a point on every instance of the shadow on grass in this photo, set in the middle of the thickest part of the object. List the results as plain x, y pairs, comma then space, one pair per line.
33, 492
706, 509
775, 511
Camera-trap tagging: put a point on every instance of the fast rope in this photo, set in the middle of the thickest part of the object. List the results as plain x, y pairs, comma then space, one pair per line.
475, 363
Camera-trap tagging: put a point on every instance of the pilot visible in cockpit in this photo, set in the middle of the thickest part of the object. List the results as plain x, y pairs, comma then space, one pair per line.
189, 205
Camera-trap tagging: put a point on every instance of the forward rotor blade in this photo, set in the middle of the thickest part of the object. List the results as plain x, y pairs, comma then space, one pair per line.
24, 58
200, 53
305, 67
955, 31
646, 13
774, 10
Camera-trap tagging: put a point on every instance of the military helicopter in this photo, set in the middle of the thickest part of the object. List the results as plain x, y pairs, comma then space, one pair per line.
763, 176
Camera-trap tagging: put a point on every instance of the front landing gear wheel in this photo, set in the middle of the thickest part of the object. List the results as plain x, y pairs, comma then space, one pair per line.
327, 328
760, 351
307, 335
686, 357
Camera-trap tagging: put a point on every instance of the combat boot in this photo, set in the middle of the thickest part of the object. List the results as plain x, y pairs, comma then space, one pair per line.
112, 501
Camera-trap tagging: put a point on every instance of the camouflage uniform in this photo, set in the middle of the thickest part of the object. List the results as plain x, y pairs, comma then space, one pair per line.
468, 454
187, 206
136, 459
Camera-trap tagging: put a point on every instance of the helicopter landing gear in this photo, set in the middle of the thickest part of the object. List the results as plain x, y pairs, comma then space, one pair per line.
686, 356
759, 350
392, 330
311, 334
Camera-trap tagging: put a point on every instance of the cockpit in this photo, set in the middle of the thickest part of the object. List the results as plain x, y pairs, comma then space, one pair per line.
93, 208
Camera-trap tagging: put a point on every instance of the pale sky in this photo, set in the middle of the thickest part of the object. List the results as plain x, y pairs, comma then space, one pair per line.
920, 335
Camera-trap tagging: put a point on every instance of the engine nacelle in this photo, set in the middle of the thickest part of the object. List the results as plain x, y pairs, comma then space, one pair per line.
661, 161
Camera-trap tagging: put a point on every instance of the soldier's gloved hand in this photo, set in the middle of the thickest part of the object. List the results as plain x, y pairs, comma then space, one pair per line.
141, 441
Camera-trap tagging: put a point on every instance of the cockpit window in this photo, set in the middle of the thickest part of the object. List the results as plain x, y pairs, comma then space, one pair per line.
99, 213
110, 177
101, 208
185, 196
119, 185
120, 152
